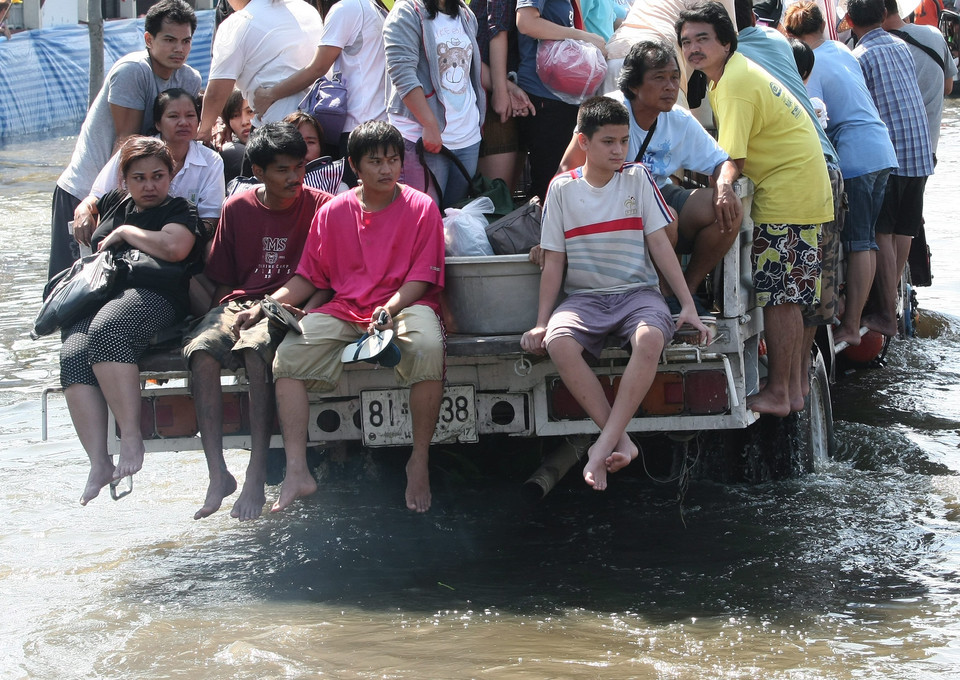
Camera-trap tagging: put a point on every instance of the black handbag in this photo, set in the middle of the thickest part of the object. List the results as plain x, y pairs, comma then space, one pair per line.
142, 270
76, 292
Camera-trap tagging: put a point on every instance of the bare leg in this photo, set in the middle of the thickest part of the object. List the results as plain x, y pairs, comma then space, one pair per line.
502, 165
208, 402
88, 411
294, 410
783, 329
425, 400
861, 267
698, 225
613, 450
252, 498
120, 384
902, 245
887, 276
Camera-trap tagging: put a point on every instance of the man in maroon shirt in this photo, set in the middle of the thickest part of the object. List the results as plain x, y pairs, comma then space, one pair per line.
255, 250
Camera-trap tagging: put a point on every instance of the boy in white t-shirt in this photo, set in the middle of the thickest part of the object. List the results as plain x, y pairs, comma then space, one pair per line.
602, 224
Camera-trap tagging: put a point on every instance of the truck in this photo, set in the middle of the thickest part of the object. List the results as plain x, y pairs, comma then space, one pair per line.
493, 389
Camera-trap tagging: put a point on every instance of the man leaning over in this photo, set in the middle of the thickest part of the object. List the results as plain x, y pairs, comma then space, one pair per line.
771, 139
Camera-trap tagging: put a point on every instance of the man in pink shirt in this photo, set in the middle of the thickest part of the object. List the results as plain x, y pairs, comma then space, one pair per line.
373, 261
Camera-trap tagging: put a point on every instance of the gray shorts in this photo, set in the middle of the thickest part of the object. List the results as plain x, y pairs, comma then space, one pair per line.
589, 318
213, 334
675, 195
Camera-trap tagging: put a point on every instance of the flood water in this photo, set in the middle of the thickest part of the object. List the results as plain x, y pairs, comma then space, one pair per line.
851, 572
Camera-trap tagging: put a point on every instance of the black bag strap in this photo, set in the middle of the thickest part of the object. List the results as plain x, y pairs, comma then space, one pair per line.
646, 141
428, 175
907, 38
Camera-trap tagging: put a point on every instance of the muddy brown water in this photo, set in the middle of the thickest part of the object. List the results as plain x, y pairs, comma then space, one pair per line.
851, 572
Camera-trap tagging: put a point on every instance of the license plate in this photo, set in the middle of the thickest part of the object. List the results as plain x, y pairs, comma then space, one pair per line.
386, 419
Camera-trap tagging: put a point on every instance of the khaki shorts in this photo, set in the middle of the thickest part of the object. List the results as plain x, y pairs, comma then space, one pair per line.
314, 357
213, 334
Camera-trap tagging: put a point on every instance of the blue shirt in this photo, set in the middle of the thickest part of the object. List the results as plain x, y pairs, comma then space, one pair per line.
559, 12
854, 125
679, 142
889, 72
769, 49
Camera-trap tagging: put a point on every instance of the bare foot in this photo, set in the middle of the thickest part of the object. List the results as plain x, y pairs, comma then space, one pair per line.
294, 486
847, 335
250, 504
595, 471
799, 402
882, 325
217, 490
765, 402
418, 486
99, 477
131, 459
623, 455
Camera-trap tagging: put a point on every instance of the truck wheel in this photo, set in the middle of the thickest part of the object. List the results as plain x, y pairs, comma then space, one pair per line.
820, 443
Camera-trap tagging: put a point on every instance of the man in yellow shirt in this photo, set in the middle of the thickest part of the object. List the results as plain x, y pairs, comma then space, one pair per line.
770, 137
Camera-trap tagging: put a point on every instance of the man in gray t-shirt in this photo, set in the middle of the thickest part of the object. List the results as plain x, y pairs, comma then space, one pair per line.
933, 61
123, 107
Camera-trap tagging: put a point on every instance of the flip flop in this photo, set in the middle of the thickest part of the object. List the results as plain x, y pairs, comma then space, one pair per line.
276, 313
374, 349
116, 493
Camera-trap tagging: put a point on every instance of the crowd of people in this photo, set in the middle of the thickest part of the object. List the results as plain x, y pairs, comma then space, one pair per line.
250, 198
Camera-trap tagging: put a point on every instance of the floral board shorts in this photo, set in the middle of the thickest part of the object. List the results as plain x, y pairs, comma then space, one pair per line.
786, 263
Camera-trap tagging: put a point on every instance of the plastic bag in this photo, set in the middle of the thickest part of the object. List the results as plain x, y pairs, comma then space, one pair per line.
572, 69
464, 229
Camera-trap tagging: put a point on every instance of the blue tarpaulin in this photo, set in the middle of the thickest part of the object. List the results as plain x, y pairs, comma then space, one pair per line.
44, 74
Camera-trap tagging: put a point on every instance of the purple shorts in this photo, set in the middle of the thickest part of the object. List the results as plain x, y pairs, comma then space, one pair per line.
589, 318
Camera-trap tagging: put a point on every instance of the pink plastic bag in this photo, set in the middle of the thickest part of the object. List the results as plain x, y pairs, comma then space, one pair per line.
571, 69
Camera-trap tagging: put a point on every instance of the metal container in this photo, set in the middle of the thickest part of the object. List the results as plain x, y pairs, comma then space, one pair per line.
491, 295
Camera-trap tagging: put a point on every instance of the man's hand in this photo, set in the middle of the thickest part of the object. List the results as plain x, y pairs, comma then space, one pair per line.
247, 319
221, 135
263, 99
727, 207
537, 257
532, 340
84, 223
380, 320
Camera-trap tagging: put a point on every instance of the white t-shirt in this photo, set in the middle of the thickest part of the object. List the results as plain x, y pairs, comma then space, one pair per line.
601, 229
455, 58
356, 27
200, 180
264, 43
679, 142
